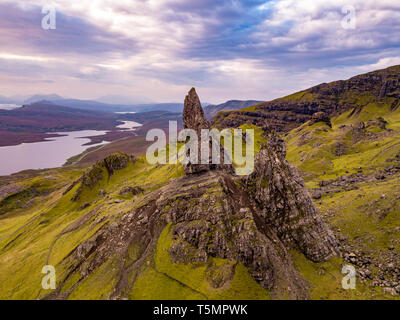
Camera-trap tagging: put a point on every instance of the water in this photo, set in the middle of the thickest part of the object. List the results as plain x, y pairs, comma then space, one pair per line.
51, 153
129, 125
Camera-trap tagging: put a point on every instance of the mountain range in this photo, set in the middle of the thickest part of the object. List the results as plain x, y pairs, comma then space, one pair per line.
212, 110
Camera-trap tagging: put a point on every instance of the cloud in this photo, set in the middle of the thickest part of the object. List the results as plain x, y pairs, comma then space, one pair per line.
246, 49
312, 30
21, 31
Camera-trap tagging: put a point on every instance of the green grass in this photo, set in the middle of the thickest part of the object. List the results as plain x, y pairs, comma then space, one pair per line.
325, 281
194, 281
312, 148
35, 219
33, 237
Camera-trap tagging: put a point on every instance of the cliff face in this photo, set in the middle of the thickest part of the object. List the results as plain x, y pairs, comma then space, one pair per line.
333, 98
212, 214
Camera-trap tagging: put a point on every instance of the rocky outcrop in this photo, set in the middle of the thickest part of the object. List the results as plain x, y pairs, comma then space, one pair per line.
211, 216
340, 149
130, 191
101, 170
193, 118
254, 221
321, 117
193, 114
284, 203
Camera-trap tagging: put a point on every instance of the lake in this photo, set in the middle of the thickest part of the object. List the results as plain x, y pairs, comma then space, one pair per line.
51, 153
129, 125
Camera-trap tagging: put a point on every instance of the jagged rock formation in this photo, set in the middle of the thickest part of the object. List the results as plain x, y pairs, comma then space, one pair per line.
193, 118
285, 204
253, 221
193, 114
210, 216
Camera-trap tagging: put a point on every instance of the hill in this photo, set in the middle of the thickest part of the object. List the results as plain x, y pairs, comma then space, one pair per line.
211, 110
40, 97
46, 117
105, 107
284, 114
30, 123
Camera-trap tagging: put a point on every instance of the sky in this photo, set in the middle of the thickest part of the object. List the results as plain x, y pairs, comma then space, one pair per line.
139, 51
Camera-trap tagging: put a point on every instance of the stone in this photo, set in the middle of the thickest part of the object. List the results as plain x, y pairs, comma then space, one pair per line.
340, 149
317, 196
321, 117
102, 169
194, 118
254, 220
131, 190
280, 193
390, 291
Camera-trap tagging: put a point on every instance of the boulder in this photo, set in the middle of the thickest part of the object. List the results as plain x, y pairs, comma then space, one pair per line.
321, 117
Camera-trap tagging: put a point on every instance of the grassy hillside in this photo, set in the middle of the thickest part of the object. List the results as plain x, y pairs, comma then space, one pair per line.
40, 225
287, 113
351, 166
353, 170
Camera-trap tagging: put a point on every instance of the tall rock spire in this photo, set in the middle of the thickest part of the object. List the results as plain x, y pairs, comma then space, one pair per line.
193, 118
193, 114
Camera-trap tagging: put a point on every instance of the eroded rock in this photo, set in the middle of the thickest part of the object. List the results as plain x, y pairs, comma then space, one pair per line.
193, 118
321, 117
285, 203
254, 221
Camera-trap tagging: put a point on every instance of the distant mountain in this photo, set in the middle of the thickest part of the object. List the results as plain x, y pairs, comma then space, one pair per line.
31, 122
105, 107
94, 105
90, 105
171, 107
40, 97
144, 117
212, 110
44, 116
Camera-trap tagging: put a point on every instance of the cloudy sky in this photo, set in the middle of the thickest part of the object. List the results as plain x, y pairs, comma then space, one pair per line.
155, 50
